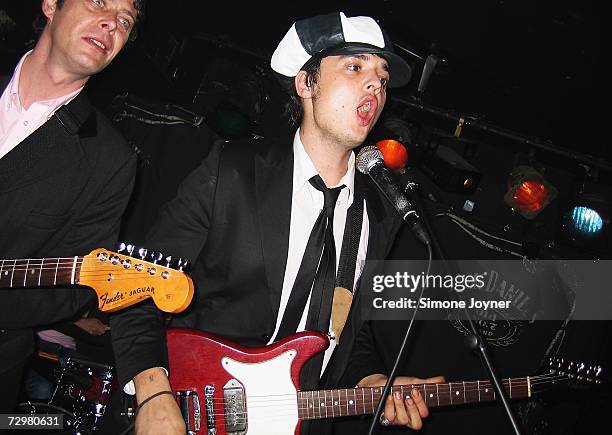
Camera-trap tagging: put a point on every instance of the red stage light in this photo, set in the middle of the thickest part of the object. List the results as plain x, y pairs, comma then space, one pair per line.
394, 154
528, 191
530, 196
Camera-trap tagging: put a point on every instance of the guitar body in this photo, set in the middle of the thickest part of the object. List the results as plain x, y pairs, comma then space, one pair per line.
239, 390
227, 389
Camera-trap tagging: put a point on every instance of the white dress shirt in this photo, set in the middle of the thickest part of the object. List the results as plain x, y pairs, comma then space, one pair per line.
306, 204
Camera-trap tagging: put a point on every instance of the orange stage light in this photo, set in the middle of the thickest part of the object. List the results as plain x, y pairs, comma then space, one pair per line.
394, 154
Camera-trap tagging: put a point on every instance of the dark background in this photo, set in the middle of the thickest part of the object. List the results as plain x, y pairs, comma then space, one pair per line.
531, 67
527, 77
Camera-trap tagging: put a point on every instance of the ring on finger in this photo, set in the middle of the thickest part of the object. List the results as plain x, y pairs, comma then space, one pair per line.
383, 420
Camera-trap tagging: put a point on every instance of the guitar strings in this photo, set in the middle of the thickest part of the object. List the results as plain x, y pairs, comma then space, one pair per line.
287, 409
281, 400
516, 382
100, 271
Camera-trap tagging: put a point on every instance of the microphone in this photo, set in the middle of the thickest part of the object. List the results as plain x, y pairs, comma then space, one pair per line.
369, 161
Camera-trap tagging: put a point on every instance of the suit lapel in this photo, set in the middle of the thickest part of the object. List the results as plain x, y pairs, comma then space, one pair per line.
273, 188
52, 147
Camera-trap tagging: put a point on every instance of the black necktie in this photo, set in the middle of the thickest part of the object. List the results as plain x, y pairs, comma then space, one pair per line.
321, 246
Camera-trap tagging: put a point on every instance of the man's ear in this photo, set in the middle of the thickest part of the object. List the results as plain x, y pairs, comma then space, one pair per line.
49, 7
302, 85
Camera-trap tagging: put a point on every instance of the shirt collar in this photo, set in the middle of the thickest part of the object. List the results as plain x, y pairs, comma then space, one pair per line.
304, 168
55, 103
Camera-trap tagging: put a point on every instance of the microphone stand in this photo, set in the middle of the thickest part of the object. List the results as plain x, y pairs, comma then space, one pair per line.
473, 341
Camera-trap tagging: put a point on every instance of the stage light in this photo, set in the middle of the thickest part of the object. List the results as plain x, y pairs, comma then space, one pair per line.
450, 171
586, 222
528, 191
394, 154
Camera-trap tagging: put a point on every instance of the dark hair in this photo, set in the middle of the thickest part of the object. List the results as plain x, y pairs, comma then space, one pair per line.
139, 5
293, 108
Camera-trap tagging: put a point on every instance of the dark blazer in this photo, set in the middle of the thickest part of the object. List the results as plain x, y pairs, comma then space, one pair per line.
231, 216
62, 193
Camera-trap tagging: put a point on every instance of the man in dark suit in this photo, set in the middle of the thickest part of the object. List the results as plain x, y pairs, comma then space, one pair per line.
65, 172
246, 213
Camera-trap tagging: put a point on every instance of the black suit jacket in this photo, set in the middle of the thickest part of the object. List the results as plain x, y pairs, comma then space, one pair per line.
62, 193
232, 216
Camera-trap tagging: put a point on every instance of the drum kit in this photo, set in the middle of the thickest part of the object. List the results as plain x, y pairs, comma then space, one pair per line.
81, 395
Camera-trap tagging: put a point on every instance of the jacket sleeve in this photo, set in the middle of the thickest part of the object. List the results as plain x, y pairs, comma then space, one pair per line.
96, 226
138, 333
364, 359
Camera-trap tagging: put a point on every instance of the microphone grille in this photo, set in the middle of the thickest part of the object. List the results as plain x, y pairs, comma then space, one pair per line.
367, 157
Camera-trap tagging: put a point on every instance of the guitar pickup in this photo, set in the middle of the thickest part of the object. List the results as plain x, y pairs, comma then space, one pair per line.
189, 404
235, 408
209, 397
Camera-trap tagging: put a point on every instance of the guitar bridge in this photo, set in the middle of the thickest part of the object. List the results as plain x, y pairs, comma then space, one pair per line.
235, 408
189, 404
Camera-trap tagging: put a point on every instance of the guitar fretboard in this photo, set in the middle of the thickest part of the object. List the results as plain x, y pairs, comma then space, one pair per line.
40, 272
359, 401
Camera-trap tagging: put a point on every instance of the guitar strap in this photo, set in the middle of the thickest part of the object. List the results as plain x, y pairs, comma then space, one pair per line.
345, 277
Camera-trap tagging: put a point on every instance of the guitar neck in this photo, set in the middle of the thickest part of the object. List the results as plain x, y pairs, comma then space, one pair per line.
43, 272
360, 401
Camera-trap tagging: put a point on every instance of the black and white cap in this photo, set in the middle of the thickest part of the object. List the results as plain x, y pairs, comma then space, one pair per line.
332, 35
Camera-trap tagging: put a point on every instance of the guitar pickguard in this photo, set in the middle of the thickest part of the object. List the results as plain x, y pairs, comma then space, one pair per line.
271, 399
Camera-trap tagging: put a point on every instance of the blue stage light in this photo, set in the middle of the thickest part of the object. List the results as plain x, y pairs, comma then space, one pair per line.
586, 221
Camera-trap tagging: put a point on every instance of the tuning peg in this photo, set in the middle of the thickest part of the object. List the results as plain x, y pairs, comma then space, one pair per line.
125, 248
571, 369
182, 264
142, 253
154, 257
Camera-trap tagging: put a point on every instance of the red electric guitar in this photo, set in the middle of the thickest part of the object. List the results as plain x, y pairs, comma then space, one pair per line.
227, 389
118, 279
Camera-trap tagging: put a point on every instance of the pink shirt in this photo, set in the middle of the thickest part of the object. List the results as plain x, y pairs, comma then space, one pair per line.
53, 336
17, 123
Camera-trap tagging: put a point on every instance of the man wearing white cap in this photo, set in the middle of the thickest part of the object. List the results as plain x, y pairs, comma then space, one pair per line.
254, 217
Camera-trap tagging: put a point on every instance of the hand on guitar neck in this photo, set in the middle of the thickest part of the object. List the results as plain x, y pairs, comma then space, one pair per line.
400, 411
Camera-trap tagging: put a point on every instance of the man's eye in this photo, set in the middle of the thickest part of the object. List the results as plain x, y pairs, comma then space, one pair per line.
125, 22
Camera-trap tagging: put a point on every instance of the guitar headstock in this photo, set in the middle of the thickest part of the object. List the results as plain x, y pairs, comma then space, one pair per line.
121, 279
575, 372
